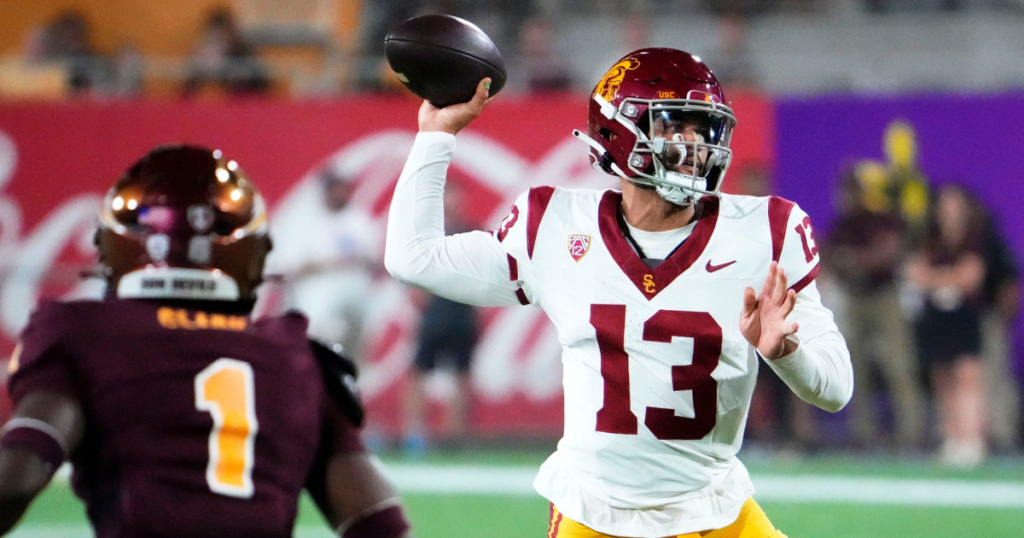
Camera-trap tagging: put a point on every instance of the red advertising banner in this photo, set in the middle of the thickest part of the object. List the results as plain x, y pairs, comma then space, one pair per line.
56, 162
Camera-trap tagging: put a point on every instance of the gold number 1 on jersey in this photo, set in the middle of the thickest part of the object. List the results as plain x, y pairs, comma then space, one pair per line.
225, 389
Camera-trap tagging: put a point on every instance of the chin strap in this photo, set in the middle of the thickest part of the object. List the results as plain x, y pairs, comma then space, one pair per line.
677, 196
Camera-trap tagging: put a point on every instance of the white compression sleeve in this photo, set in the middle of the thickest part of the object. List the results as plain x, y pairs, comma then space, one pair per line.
470, 267
819, 371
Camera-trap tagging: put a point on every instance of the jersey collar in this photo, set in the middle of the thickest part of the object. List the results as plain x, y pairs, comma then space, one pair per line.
649, 281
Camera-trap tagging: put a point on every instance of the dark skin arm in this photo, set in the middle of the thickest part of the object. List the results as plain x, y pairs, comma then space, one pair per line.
353, 488
23, 475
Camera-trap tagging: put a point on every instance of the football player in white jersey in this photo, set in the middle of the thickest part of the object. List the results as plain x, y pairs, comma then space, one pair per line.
651, 289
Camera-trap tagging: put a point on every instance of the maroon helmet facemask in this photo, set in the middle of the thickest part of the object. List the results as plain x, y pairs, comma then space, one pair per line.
658, 117
183, 223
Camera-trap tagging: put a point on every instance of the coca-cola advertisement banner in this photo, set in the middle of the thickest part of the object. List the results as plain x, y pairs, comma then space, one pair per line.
58, 160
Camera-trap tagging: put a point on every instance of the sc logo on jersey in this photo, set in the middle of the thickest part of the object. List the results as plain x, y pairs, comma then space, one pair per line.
649, 283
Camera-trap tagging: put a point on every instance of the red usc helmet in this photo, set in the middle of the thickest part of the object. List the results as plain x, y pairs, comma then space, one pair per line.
183, 223
658, 117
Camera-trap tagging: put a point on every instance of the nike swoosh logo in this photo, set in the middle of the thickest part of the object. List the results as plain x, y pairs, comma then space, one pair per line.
713, 268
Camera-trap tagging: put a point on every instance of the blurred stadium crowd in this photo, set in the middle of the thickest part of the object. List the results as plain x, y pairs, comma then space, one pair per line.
321, 48
924, 284
925, 289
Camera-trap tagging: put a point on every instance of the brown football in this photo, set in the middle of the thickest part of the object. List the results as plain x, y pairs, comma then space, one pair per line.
442, 58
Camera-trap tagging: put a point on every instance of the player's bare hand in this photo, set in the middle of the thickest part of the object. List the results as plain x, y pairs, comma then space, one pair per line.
454, 118
763, 320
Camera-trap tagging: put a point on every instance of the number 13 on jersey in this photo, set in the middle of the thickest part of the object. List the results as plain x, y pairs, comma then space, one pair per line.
615, 416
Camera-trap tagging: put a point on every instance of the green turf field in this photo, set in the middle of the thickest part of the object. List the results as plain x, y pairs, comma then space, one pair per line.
519, 514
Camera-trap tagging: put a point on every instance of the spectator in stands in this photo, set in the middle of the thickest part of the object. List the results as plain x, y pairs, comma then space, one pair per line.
950, 271
903, 188
223, 60
376, 19
544, 66
447, 335
1001, 292
66, 41
866, 251
128, 72
733, 64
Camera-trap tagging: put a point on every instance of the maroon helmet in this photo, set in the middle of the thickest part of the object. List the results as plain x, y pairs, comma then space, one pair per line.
183, 223
658, 117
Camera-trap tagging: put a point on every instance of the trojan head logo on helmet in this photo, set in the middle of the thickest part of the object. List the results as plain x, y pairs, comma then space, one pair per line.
609, 85
658, 118
183, 223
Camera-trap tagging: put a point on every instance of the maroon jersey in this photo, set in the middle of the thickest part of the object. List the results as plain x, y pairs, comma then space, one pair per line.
198, 423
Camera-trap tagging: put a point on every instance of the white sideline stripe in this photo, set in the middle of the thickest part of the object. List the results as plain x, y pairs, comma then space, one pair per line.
803, 489
902, 492
84, 531
479, 480
518, 481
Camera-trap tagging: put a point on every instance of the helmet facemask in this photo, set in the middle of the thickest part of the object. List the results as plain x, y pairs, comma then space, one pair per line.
681, 147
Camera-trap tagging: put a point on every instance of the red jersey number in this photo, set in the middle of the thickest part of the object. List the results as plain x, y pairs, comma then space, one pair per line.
615, 415
508, 223
807, 238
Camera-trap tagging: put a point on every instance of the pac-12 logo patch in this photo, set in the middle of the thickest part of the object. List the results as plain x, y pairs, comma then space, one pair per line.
579, 244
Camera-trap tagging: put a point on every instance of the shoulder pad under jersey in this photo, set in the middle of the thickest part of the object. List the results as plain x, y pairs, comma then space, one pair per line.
340, 375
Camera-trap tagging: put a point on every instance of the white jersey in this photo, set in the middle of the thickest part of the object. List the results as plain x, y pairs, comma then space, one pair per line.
657, 376
326, 256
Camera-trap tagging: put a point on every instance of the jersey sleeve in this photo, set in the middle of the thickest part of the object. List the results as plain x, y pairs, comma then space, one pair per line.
340, 436
819, 371
517, 234
340, 433
472, 268
41, 361
793, 242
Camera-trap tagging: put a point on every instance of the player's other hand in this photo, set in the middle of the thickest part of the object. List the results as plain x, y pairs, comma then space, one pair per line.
452, 119
763, 320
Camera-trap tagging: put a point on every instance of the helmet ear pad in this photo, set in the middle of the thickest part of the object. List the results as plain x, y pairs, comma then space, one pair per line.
244, 259
119, 255
618, 140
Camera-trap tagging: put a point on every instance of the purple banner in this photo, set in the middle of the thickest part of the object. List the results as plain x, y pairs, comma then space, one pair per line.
977, 141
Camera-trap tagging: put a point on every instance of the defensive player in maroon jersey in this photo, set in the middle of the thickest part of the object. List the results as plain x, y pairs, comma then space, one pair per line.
181, 415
